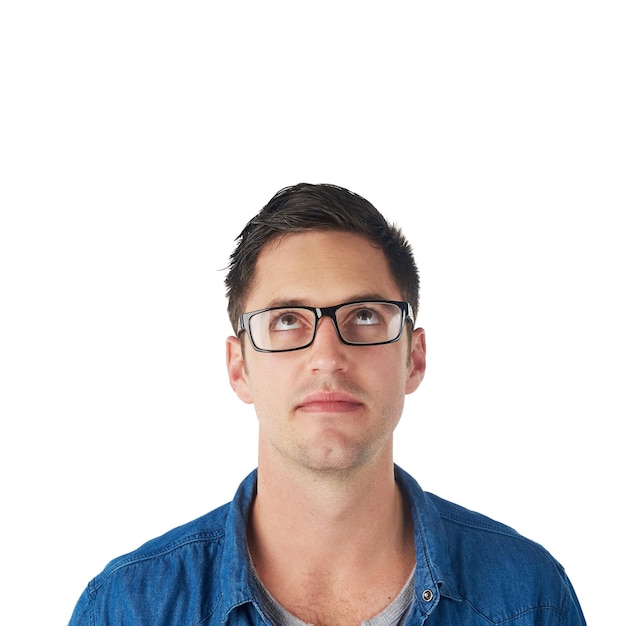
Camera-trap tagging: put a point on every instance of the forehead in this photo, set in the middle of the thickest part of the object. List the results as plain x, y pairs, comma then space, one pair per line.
320, 268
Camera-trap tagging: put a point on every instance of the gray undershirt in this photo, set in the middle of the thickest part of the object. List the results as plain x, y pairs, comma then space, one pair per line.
393, 615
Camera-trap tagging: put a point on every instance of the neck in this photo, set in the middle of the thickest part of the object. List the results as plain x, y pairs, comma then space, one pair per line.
354, 519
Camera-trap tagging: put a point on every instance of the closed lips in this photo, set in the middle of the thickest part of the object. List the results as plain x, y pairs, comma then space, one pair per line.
335, 401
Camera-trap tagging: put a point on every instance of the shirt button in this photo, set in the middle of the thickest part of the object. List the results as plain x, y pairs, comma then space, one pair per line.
427, 595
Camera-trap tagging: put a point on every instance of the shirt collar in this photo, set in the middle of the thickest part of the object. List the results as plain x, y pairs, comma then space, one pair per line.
433, 572
433, 575
237, 580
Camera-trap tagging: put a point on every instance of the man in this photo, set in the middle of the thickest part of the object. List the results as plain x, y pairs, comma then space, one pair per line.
323, 296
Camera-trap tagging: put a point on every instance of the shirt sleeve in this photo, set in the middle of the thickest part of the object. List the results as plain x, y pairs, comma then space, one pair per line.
80, 616
575, 614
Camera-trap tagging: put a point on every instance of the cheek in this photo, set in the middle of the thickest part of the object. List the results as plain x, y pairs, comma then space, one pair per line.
267, 383
388, 378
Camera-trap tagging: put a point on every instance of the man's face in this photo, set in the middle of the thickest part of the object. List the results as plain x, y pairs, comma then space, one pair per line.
329, 406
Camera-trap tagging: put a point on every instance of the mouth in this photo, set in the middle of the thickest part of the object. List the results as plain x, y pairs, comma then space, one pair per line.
329, 402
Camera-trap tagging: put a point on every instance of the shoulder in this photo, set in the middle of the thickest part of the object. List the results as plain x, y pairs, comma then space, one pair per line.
175, 545
468, 529
499, 572
176, 574
177, 578
484, 571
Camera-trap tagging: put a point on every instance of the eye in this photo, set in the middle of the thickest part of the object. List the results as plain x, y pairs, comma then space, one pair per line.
286, 320
366, 317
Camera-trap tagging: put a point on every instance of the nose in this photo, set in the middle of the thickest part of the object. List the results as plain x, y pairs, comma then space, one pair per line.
327, 352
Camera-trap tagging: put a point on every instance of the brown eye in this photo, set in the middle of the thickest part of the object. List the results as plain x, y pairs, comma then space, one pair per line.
286, 320
366, 317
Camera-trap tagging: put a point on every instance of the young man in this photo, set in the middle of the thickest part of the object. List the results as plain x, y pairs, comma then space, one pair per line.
323, 295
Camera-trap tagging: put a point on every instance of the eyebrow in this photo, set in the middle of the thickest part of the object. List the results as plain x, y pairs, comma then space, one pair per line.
286, 303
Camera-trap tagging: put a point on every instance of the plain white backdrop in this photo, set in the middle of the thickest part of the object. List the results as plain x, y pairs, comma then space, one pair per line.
136, 140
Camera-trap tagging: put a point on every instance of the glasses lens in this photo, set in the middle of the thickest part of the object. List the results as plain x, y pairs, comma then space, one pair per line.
282, 329
369, 322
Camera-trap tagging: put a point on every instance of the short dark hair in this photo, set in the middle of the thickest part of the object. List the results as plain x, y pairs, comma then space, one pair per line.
306, 207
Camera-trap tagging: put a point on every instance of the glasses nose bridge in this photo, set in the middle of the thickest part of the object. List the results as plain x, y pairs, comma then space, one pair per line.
330, 312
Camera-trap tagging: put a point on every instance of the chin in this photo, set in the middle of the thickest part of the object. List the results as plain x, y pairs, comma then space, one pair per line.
333, 461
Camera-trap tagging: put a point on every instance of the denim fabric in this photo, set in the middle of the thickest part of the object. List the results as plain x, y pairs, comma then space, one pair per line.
471, 571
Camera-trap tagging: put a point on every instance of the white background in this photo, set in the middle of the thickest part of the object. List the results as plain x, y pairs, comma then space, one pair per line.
136, 141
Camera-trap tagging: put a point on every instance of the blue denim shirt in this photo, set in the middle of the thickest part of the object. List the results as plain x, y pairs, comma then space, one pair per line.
471, 571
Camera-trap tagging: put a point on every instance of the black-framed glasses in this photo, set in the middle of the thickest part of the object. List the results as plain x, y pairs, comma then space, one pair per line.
363, 323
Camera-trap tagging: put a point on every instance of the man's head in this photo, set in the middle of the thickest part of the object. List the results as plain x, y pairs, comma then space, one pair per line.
307, 207
323, 401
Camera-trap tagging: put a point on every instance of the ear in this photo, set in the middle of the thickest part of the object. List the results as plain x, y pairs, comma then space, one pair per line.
417, 360
237, 373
